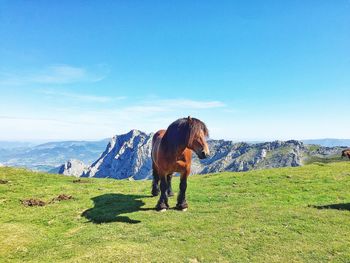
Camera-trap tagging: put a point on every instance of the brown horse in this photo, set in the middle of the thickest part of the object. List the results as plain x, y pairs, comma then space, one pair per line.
172, 152
345, 153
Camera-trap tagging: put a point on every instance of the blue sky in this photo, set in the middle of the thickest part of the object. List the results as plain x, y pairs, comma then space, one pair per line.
252, 70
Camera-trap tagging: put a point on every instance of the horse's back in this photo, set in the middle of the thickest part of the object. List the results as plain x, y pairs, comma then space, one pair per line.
158, 135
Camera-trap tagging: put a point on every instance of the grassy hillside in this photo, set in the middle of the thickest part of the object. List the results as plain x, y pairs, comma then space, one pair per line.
278, 215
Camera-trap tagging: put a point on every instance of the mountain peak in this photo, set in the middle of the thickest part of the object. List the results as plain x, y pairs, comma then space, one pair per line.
126, 156
132, 133
135, 132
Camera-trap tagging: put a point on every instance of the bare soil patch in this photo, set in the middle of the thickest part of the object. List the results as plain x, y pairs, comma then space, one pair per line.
33, 202
79, 181
38, 202
61, 197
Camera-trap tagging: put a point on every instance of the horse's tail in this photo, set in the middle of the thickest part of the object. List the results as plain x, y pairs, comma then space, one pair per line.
154, 139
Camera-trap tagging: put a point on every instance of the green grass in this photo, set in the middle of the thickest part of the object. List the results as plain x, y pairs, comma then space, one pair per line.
313, 147
259, 216
329, 159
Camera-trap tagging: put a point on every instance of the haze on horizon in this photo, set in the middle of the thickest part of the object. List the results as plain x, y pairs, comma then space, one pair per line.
253, 71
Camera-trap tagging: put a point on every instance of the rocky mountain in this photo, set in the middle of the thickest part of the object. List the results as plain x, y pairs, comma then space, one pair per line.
48, 156
236, 157
126, 156
129, 156
72, 168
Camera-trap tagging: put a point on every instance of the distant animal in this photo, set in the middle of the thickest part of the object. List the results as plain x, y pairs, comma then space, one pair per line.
345, 153
172, 152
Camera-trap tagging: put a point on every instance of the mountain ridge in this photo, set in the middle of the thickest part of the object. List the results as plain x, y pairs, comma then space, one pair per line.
50, 156
128, 156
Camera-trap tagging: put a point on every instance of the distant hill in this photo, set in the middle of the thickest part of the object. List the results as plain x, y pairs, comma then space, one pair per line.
329, 142
47, 156
16, 144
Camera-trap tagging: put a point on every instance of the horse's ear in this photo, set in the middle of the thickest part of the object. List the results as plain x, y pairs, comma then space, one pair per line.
189, 119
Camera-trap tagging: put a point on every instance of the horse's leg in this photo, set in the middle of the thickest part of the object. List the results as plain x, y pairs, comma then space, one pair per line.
163, 200
170, 189
181, 199
155, 182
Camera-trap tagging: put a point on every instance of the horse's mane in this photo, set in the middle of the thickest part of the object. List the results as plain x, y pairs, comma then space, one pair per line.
181, 131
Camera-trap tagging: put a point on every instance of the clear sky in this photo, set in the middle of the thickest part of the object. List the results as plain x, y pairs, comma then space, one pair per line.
251, 70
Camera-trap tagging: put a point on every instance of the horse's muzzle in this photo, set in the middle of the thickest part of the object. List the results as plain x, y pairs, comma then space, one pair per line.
203, 155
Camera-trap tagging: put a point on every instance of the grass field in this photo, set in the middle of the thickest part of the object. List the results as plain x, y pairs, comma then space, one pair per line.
278, 215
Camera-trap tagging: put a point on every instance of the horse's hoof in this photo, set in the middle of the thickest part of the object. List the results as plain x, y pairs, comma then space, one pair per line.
182, 207
184, 210
155, 193
162, 207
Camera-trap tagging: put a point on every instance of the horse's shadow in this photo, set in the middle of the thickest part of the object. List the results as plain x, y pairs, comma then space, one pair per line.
109, 207
341, 206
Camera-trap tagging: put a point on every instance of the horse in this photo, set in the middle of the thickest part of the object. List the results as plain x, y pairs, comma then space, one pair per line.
345, 153
172, 152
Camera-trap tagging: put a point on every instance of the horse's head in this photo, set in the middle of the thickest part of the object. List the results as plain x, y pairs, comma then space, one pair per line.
345, 153
198, 134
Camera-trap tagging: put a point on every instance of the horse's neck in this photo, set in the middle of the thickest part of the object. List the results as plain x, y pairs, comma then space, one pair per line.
174, 152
